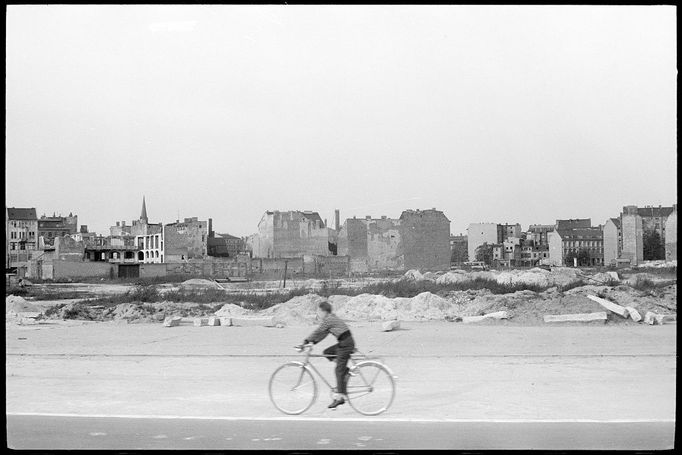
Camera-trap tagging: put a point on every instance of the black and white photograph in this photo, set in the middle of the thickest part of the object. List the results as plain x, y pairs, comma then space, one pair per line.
310, 228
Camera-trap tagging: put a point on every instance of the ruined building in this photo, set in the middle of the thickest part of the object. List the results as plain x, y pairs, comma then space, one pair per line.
52, 227
185, 240
419, 239
292, 234
372, 244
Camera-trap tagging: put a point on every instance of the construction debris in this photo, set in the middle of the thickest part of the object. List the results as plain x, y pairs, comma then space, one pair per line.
614, 307
225, 321
495, 315
634, 314
581, 317
200, 322
172, 321
213, 321
390, 325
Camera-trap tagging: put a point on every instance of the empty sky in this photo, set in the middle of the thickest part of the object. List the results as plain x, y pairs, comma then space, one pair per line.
500, 114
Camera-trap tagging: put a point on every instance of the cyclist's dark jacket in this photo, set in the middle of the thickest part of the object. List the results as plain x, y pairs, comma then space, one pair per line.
330, 324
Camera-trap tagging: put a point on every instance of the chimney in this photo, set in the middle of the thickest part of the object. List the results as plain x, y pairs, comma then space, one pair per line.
123, 223
325, 222
368, 217
210, 228
118, 224
337, 219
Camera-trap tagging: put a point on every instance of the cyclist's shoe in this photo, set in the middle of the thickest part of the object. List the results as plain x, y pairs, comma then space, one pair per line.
336, 402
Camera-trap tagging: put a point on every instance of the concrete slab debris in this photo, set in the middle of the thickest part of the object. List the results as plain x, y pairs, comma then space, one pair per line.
580, 317
613, 275
390, 325
650, 318
200, 322
253, 322
634, 314
30, 315
225, 321
495, 315
172, 321
213, 321
613, 307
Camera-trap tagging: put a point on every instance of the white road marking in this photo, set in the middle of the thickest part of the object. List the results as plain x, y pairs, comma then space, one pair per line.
339, 419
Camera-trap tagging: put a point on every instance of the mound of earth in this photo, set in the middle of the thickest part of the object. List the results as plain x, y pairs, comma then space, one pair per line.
17, 304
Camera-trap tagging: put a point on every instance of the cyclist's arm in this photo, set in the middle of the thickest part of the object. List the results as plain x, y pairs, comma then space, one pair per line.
319, 334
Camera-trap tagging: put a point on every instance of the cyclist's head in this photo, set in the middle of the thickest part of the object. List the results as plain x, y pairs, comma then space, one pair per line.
326, 307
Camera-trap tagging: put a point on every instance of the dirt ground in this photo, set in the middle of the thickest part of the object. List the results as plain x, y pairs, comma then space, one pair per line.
445, 370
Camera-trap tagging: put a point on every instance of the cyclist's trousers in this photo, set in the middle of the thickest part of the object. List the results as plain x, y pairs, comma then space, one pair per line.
341, 353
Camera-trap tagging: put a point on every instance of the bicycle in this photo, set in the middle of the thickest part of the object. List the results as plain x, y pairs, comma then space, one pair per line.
370, 384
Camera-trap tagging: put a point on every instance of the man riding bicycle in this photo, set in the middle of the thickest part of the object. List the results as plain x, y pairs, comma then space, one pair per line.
341, 351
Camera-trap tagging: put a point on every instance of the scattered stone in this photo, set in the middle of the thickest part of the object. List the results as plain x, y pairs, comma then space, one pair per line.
280, 326
634, 314
613, 275
614, 307
581, 317
649, 318
173, 321
390, 325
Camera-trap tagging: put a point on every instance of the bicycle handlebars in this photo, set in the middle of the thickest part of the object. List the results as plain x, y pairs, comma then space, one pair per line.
302, 347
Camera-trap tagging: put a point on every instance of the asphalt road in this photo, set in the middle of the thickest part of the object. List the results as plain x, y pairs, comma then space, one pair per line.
66, 432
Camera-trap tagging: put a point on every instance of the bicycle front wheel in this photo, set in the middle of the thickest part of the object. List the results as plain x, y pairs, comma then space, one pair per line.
370, 388
292, 388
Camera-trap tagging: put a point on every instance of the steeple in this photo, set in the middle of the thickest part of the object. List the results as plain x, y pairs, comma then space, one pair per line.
143, 215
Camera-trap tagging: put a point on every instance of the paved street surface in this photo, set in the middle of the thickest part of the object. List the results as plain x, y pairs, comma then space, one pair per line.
472, 387
41, 432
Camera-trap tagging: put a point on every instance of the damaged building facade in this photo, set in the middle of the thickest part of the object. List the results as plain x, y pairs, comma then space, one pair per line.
185, 240
419, 239
292, 234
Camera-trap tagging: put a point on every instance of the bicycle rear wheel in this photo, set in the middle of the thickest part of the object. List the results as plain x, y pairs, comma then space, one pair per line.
292, 388
370, 388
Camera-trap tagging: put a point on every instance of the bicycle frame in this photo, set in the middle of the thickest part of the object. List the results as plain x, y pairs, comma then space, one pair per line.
307, 364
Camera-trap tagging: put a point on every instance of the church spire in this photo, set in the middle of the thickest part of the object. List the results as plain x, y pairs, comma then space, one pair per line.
143, 215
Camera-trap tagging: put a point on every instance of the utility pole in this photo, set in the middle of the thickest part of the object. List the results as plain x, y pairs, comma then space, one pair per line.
285, 274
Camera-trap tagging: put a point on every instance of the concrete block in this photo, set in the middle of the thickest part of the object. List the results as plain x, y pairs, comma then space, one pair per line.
225, 321
634, 314
387, 326
280, 326
649, 318
29, 315
613, 307
173, 321
200, 322
670, 317
579, 317
213, 321
253, 322
613, 275
495, 315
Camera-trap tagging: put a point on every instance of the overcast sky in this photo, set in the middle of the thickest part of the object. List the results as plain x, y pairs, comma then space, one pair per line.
491, 114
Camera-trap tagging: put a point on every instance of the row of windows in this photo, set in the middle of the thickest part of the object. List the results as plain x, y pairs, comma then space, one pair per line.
21, 234
21, 224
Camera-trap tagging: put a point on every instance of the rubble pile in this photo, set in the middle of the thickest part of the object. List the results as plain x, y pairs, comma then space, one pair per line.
198, 283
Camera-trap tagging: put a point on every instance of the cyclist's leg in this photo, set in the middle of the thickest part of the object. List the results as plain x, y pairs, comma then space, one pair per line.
343, 353
331, 352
